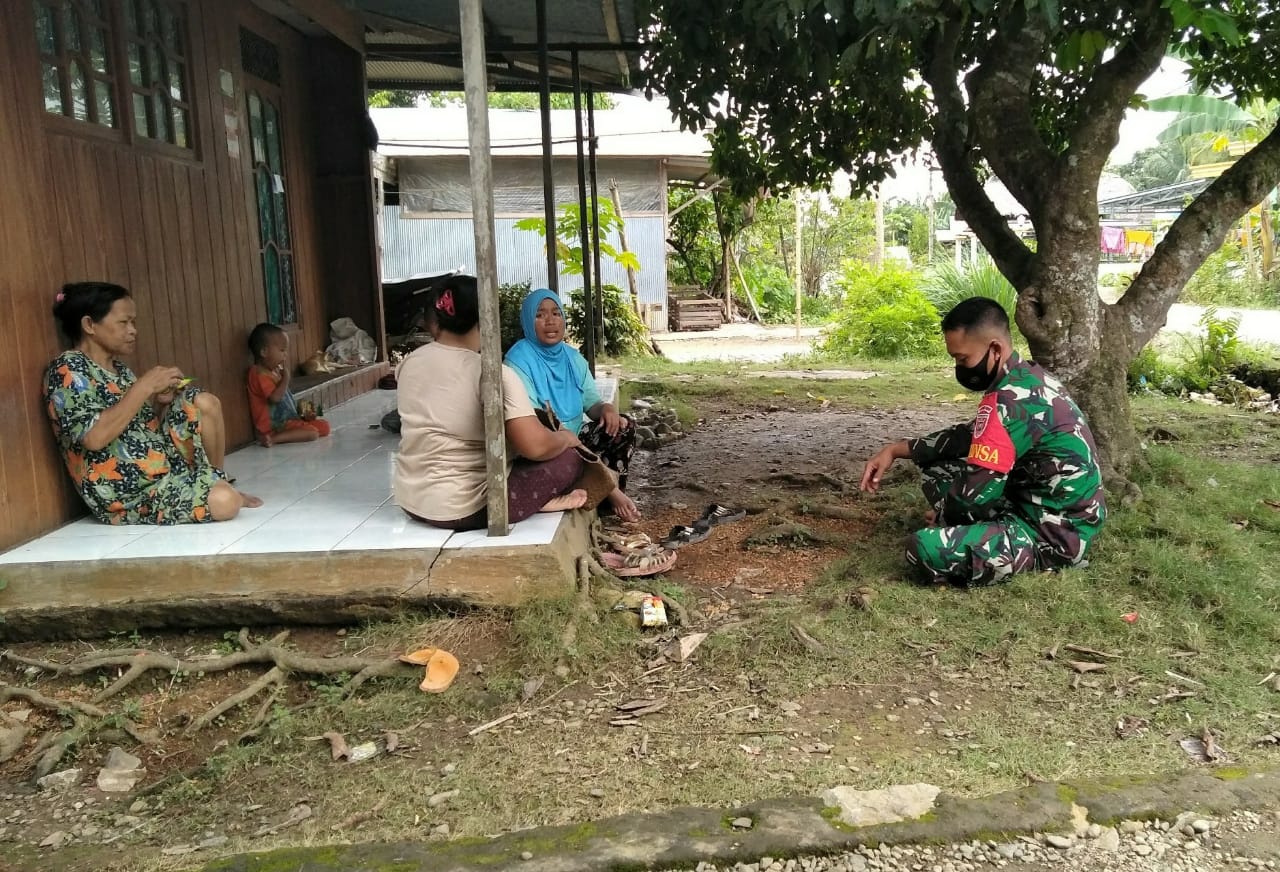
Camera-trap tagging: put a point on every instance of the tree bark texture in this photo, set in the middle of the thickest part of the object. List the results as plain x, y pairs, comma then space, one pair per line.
1083, 341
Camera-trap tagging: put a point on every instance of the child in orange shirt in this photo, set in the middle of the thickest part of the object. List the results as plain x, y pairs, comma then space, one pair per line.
271, 404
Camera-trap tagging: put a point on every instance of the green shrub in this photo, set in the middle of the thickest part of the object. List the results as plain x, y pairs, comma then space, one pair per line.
624, 332
775, 296
1214, 354
1151, 372
884, 314
509, 299
946, 286
1224, 280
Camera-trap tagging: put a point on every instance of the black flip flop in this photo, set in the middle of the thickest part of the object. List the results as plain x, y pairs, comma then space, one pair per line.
681, 536
716, 514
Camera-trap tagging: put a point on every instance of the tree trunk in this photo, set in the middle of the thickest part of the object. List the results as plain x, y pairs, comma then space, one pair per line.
1076, 338
1102, 392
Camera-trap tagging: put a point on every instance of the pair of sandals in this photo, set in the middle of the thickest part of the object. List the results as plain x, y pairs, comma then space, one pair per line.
712, 516
632, 555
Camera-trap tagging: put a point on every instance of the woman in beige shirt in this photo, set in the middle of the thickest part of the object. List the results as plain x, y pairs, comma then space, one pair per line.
440, 472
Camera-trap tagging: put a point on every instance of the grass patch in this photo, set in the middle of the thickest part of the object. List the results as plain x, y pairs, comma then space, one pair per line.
1195, 559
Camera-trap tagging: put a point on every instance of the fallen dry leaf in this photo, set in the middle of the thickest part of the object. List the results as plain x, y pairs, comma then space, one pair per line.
1083, 666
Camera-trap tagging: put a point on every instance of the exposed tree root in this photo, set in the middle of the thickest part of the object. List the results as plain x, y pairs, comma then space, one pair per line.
88, 717
139, 662
274, 676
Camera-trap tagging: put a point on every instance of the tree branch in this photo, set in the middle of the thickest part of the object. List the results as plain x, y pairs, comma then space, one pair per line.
1109, 91
1003, 121
950, 141
1198, 232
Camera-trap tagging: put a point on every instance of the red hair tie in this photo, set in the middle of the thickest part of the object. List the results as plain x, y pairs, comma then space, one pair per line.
445, 303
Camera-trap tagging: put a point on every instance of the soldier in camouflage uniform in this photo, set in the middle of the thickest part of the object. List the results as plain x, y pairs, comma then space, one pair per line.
1017, 488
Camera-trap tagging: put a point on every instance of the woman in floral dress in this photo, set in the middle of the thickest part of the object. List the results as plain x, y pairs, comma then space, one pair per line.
140, 450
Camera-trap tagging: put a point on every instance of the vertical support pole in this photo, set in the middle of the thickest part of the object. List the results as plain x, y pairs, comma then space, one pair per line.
548, 179
879, 261
799, 197
595, 205
475, 79
588, 292
959, 252
932, 216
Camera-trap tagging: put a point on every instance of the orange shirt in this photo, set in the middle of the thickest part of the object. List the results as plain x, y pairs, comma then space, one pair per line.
263, 412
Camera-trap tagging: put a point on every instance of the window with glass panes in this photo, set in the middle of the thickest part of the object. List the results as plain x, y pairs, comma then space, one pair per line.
74, 39
156, 40
94, 53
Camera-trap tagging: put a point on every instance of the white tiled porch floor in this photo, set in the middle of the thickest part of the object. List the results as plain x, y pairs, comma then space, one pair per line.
333, 494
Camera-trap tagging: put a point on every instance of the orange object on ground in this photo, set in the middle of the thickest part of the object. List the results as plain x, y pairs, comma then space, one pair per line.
441, 668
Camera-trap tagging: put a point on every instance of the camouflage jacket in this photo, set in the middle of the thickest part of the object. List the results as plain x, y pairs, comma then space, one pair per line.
1029, 453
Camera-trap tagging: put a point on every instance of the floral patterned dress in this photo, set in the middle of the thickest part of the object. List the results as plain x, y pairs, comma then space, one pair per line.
155, 472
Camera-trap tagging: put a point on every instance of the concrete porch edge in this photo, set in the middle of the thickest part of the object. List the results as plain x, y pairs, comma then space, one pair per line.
90, 599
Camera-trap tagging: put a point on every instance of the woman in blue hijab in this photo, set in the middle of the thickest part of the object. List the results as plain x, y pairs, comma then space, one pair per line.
555, 373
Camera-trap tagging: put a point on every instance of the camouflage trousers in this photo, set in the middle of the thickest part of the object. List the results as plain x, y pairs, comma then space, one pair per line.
985, 551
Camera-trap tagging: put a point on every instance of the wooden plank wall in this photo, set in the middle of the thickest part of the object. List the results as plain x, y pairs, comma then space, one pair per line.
179, 232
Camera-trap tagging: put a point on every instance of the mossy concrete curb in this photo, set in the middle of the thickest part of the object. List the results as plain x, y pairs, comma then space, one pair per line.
780, 828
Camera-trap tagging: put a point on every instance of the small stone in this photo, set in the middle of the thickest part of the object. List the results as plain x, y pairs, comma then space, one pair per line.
1009, 851
442, 830
439, 799
139, 806
1129, 828
449, 769
597, 792
118, 758
526, 855
743, 823
1109, 840
55, 839
1059, 842
1093, 831
562, 671
1142, 850
212, 842
119, 780
1201, 825
59, 780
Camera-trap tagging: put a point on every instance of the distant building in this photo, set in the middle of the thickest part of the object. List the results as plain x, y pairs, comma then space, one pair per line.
425, 216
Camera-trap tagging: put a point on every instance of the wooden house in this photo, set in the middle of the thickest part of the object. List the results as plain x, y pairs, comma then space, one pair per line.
209, 155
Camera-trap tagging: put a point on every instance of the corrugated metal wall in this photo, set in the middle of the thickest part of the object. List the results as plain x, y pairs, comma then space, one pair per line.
430, 245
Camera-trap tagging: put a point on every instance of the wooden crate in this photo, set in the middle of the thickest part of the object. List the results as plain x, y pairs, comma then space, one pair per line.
692, 312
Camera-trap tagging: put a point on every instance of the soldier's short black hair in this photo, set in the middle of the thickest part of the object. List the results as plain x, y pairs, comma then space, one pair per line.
977, 314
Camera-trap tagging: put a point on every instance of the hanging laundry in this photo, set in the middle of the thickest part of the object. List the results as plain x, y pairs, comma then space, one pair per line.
1113, 240
1140, 243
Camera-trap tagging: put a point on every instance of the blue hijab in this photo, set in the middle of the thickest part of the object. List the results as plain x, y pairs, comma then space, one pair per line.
550, 372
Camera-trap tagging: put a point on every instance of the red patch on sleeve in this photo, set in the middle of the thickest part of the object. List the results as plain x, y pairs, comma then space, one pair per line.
991, 447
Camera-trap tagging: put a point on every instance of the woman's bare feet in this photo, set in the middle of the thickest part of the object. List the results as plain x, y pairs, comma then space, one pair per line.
249, 500
623, 506
574, 499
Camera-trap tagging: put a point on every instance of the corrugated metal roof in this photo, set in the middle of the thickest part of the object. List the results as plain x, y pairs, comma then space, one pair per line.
411, 34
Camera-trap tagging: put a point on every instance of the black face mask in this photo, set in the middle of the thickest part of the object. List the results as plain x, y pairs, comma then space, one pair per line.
978, 378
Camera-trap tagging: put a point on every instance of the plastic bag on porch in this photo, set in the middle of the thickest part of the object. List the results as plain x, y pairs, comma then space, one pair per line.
349, 345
